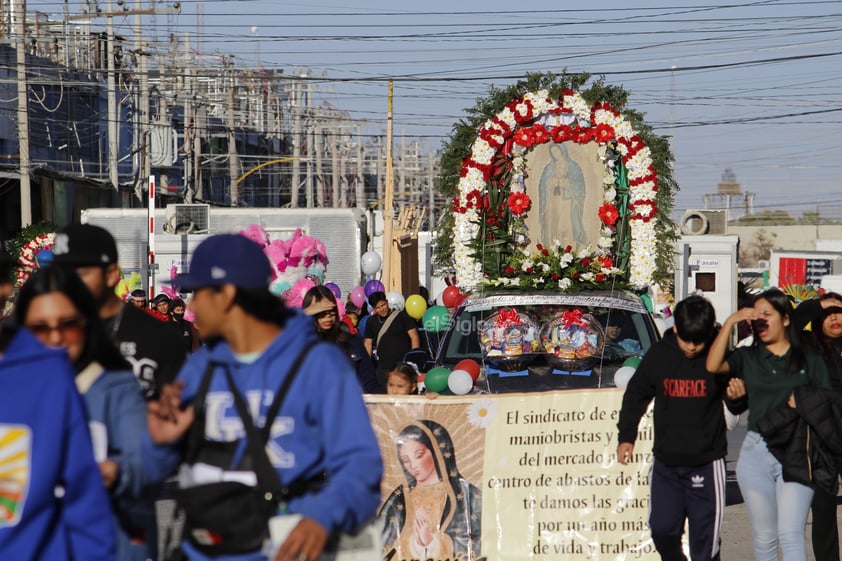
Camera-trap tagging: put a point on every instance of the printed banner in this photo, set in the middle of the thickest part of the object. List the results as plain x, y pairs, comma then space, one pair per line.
511, 477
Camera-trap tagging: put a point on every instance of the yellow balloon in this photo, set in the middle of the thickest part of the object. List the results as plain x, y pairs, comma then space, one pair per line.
415, 306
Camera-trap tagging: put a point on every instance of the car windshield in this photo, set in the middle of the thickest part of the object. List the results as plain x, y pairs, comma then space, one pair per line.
531, 357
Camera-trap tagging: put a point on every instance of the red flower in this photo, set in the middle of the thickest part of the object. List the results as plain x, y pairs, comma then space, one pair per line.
519, 203
603, 132
583, 135
568, 249
561, 133
539, 247
600, 277
606, 262
540, 134
586, 261
522, 110
609, 214
545, 252
529, 270
554, 276
473, 199
525, 137
509, 271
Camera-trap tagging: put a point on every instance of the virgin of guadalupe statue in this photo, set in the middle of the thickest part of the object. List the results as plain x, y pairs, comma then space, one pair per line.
437, 513
561, 198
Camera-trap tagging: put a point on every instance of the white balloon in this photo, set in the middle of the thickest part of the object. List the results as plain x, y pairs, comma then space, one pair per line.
370, 262
440, 298
623, 375
396, 300
460, 382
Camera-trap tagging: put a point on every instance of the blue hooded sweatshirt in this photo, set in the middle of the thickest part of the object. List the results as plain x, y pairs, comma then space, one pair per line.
323, 425
45, 445
114, 402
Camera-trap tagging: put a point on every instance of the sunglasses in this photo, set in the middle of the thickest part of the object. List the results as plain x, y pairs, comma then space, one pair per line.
68, 327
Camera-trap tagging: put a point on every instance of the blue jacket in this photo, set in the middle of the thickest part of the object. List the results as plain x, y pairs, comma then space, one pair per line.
115, 402
44, 427
323, 425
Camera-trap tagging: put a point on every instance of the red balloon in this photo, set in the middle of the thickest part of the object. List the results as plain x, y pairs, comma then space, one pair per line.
460, 299
470, 366
449, 296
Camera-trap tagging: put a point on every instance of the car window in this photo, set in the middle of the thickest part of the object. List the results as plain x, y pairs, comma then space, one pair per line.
626, 333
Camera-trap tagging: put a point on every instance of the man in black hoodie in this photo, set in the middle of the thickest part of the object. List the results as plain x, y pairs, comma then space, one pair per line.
688, 475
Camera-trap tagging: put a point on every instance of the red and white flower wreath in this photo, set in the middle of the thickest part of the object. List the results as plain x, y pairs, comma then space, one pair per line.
535, 119
28, 253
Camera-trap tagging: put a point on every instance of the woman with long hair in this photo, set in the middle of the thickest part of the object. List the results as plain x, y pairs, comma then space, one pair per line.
320, 303
57, 308
825, 316
770, 371
438, 513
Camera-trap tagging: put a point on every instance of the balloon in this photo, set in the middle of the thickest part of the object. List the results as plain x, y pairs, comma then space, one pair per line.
370, 262
395, 299
435, 319
460, 382
436, 379
623, 375
373, 286
470, 366
415, 306
633, 361
333, 287
461, 299
449, 296
358, 297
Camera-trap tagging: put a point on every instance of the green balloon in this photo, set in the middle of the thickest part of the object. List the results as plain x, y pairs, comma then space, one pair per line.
633, 361
436, 379
435, 318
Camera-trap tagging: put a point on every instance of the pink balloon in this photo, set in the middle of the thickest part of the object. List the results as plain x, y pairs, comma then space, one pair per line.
358, 296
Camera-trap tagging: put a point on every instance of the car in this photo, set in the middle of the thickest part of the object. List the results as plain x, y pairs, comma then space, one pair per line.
561, 340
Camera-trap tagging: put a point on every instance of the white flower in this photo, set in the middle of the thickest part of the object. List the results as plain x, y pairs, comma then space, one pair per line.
586, 276
526, 265
482, 412
564, 283
566, 259
545, 268
610, 194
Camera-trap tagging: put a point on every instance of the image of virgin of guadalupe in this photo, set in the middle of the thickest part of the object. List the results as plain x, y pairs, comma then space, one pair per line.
569, 191
437, 513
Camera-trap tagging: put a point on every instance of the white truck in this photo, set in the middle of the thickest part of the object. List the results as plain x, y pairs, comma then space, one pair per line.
178, 229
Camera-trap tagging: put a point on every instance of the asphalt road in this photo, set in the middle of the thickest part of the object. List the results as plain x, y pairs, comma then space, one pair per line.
736, 529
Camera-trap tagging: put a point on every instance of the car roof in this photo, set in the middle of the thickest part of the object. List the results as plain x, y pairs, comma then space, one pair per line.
616, 299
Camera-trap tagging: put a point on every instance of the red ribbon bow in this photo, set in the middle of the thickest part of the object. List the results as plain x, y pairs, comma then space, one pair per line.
573, 317
508, 318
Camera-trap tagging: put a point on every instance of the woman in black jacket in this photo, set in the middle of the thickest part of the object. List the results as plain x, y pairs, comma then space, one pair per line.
825, 316
320, 303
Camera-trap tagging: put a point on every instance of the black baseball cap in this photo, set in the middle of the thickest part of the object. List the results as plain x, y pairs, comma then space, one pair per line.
81, 245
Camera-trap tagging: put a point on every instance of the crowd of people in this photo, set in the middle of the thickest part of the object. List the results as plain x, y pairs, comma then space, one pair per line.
118, 407
114, 406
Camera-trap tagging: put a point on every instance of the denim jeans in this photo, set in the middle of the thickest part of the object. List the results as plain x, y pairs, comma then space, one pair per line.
776, 509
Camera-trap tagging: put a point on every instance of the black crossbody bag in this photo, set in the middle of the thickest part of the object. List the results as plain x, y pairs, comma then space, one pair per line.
230, 517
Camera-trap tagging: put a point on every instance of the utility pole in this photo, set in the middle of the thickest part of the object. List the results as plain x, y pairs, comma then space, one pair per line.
23, 117
113, 141
145, 166
233, 157
388, 210
320, 179
359, 185
431, 190
334, 166
296, 143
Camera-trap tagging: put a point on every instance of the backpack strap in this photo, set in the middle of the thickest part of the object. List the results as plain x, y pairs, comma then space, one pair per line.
267, 478
197, 430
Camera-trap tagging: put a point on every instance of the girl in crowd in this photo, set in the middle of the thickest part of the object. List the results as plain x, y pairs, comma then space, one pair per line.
402, 379
320, 303
825, 316
56, 307
771, 368
437, 514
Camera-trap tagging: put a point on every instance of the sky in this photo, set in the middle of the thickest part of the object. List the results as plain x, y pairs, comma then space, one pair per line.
750, 86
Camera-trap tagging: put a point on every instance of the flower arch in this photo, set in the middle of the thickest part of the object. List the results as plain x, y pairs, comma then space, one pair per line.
492, 201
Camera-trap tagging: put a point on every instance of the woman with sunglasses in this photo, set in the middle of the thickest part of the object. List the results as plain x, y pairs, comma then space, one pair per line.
320, 303
57, 308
